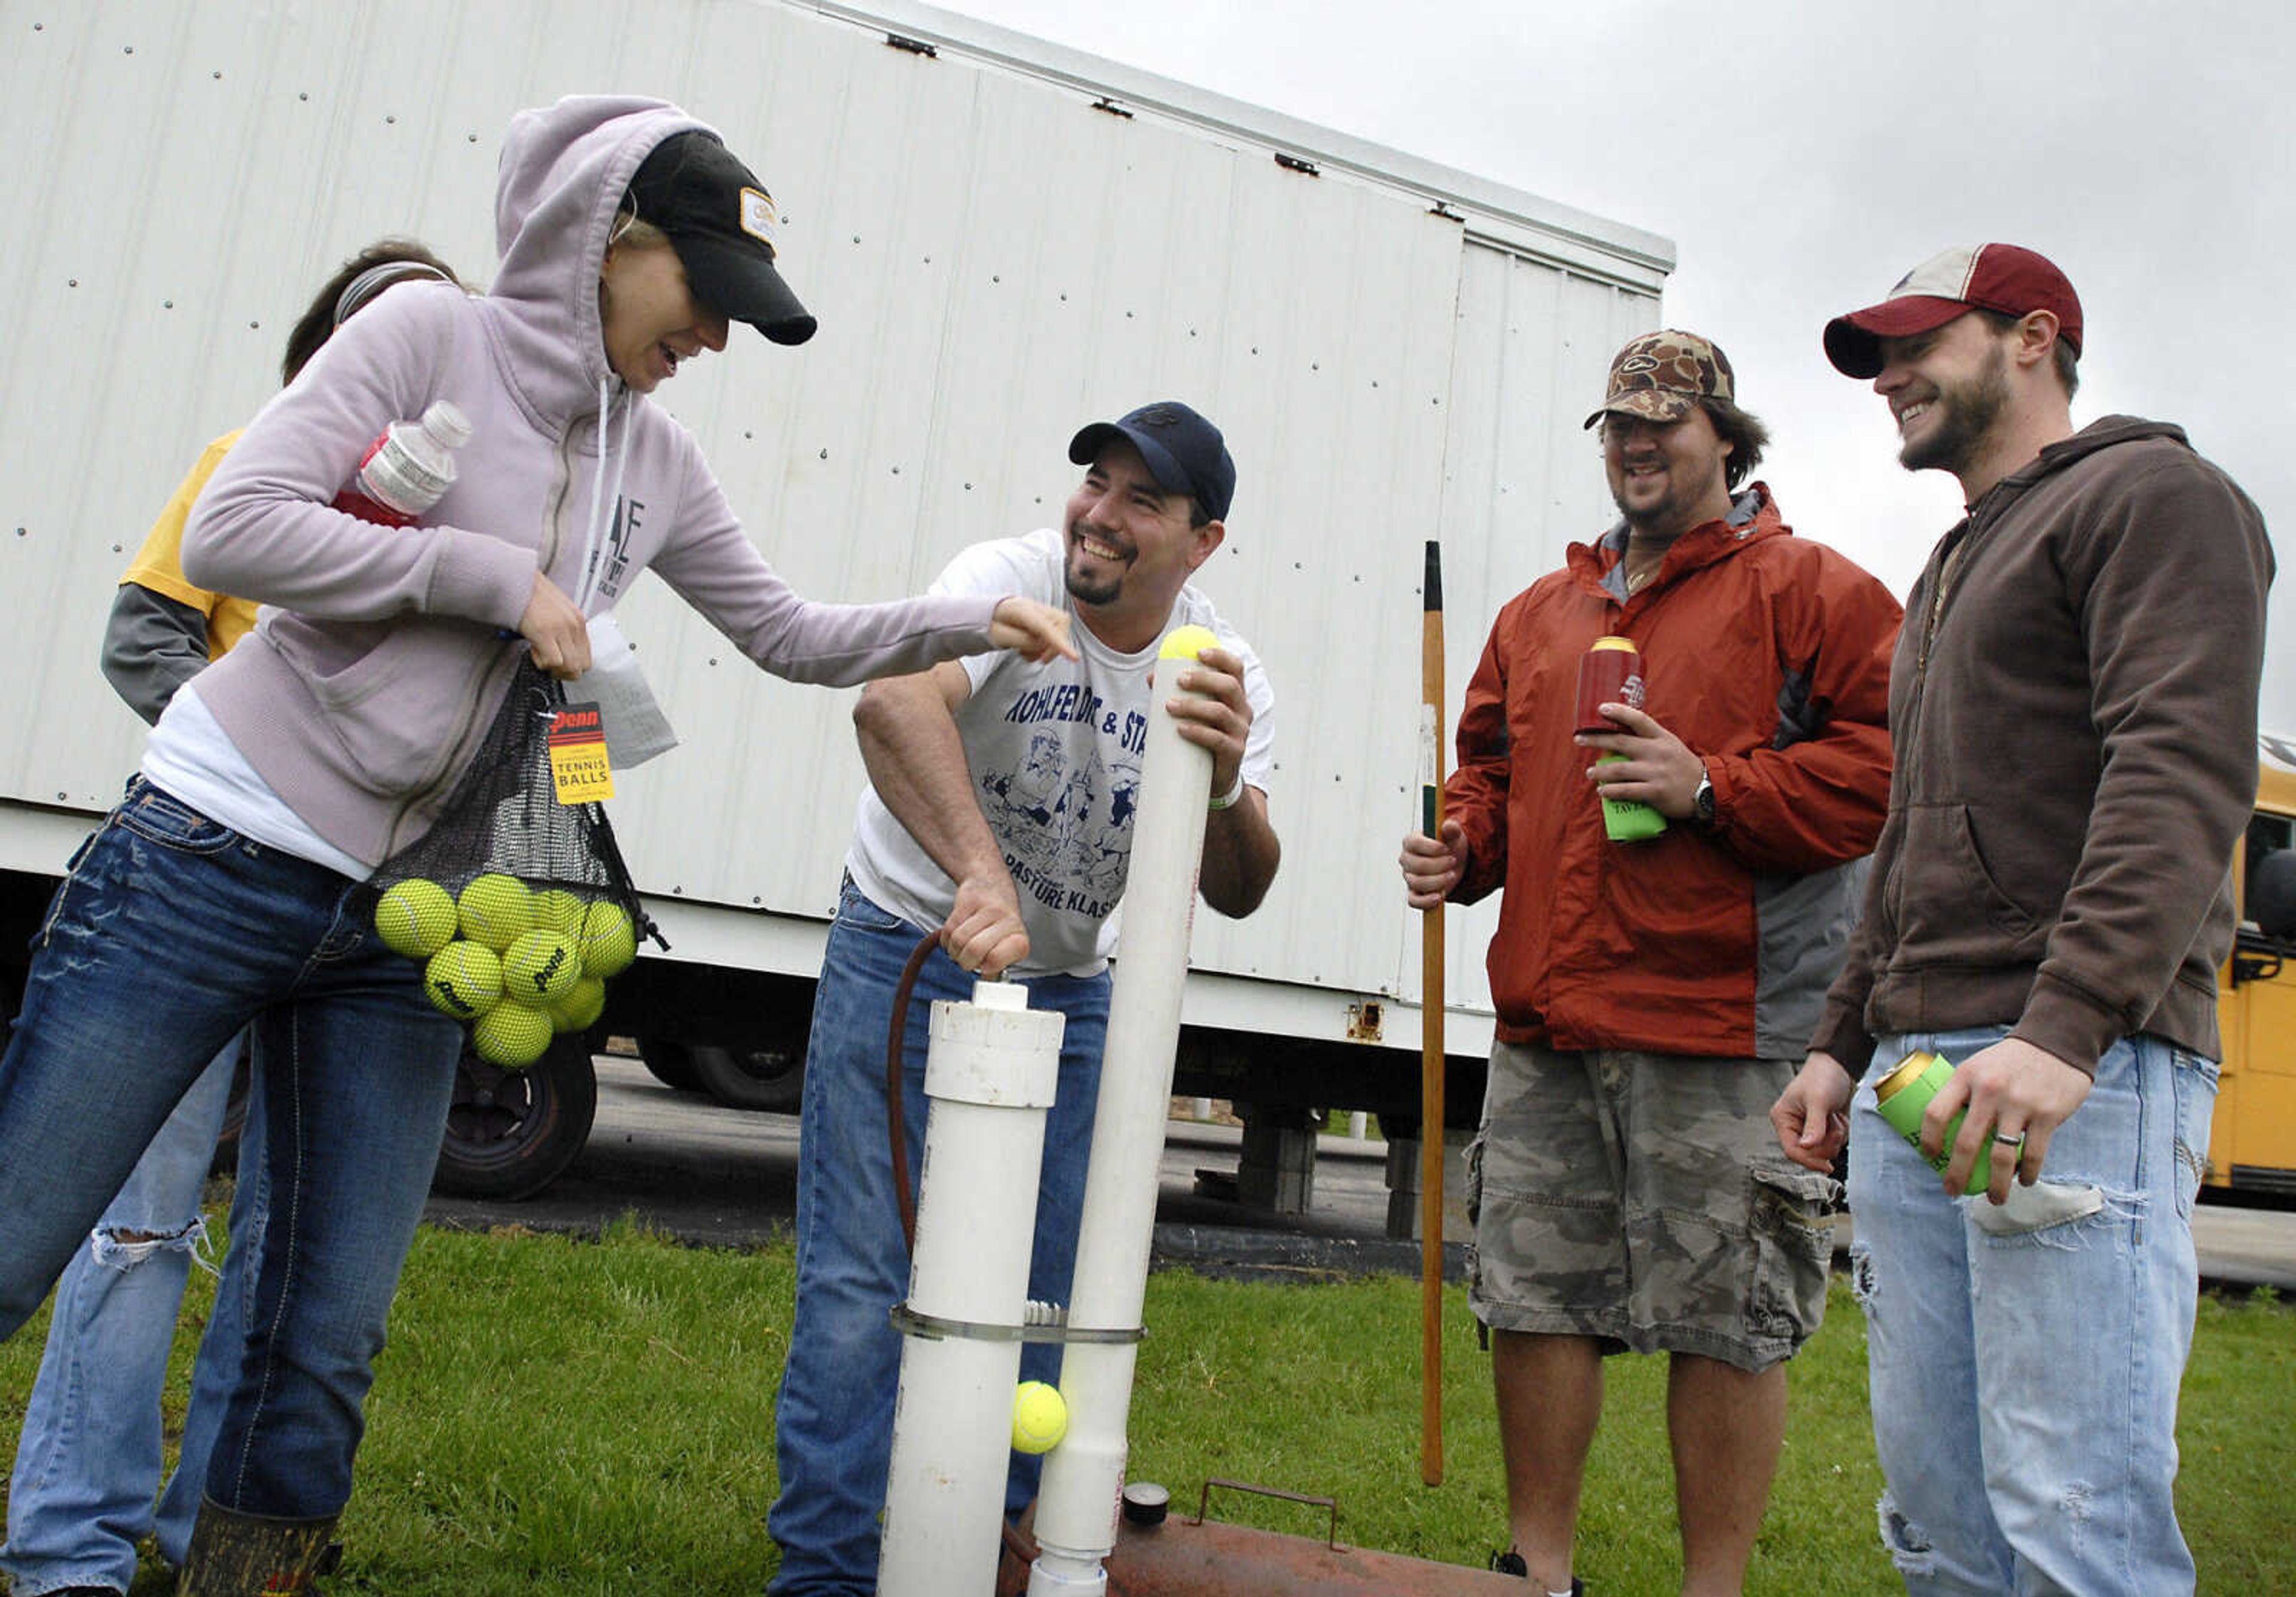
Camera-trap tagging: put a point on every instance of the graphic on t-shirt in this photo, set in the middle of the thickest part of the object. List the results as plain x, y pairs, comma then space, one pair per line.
1063, 817
1052, 753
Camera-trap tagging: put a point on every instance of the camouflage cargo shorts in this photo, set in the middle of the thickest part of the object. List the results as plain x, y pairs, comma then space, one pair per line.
1640, 1198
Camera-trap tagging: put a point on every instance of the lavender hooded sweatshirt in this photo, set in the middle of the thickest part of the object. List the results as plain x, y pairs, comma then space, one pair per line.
362, 696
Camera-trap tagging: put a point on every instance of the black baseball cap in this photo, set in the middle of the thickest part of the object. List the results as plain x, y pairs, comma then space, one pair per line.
720, 220
1186, 454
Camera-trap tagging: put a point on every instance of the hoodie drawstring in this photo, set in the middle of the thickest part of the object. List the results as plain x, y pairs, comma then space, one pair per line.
602, 499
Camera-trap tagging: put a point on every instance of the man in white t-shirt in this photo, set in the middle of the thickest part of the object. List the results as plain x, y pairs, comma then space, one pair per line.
1000, 818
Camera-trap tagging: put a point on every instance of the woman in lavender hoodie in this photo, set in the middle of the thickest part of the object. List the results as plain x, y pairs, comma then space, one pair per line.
225, 887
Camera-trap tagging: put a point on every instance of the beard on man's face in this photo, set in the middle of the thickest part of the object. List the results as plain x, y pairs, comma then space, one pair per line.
1101, 585
1094, 589
1966, 414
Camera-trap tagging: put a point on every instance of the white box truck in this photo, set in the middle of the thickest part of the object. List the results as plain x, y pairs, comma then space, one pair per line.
1002, 239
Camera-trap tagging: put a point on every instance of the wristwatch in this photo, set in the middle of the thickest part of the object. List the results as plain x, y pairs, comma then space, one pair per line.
1702, 802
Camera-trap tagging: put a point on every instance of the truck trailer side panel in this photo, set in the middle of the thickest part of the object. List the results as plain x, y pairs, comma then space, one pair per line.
1002, 239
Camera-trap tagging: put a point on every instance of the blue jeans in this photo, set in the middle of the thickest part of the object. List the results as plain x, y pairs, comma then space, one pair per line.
171, 935
87, 1466
215, 1370
2024, 1367
834, 1424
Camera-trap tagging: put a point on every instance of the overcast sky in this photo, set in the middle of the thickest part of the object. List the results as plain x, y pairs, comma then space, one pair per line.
1803, 157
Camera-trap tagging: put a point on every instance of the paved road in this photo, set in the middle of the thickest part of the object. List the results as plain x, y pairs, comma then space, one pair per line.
722, 1178
725, 1177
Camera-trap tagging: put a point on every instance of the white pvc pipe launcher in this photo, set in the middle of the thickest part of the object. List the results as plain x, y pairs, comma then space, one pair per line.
991, 1071
1077, 1503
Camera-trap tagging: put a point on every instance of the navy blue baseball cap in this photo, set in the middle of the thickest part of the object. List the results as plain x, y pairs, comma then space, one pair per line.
1186, 454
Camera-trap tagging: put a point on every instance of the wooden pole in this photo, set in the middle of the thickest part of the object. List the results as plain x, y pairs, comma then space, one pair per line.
1430, 1035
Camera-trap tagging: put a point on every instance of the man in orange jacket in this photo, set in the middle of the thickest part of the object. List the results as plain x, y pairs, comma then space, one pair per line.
1655, 993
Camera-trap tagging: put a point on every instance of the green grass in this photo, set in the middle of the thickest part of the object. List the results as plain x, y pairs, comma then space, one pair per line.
557, 1416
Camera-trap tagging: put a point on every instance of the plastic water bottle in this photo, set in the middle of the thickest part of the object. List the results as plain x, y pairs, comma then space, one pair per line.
408, 469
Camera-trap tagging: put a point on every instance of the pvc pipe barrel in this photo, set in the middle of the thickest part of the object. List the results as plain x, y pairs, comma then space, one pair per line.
990, 1072
1084, 1476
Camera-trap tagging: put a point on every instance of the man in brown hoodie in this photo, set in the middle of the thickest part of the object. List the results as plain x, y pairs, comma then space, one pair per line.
2073, 710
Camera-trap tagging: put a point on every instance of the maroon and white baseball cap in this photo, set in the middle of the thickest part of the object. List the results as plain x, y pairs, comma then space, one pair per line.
1997, 277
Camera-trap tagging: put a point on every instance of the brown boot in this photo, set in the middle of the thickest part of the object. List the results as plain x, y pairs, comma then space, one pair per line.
251, 1555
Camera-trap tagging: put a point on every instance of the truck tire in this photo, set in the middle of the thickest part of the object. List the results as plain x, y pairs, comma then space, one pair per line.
670, 1062
757, 1078
510, 1133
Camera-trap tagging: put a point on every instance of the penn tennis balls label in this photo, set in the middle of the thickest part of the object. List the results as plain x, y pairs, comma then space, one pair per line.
539, 968
464, 979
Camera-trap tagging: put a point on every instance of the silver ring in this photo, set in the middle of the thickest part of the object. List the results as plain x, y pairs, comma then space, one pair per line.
2017, 1141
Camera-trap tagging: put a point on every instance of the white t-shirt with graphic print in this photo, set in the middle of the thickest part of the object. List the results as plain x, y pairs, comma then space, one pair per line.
1054, 752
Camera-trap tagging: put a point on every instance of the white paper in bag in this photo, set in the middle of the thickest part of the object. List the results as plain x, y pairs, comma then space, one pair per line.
635, 728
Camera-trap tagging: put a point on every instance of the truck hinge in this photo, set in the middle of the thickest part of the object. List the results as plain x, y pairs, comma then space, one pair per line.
1112, 108
1292, 163
913, 46
1443, 210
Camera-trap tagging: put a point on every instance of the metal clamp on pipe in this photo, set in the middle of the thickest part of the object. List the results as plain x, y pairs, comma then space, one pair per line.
914, 1322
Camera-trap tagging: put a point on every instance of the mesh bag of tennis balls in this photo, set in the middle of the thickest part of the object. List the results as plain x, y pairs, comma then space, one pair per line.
517, 906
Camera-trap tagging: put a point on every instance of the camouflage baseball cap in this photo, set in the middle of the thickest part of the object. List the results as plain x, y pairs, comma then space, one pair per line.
1660, 375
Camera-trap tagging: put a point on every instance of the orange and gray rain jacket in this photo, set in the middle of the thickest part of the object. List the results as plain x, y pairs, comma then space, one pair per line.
1769, 656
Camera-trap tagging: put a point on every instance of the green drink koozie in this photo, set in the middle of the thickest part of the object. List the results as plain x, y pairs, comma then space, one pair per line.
1628, 820
1903, 1096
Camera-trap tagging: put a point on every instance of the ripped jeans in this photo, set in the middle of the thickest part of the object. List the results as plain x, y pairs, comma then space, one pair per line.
171, 933
88, 1465
2024, 1367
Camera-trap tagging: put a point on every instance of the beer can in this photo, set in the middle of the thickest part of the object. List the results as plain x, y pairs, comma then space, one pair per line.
1611, 672
1903, 1096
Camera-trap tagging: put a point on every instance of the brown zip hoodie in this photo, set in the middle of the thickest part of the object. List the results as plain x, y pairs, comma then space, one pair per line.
2073, 710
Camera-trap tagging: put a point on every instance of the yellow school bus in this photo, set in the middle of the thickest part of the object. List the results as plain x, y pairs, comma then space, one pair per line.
2252, 1143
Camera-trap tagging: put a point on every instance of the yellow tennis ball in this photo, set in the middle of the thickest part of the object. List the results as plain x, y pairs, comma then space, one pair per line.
511, 1035
1187, 642
557, 909
464, 979
579, 1009
1040, 1417
540, 968
608, 941
415, 918
495, 909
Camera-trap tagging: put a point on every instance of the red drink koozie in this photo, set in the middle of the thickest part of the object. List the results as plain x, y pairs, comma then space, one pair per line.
1612, 672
